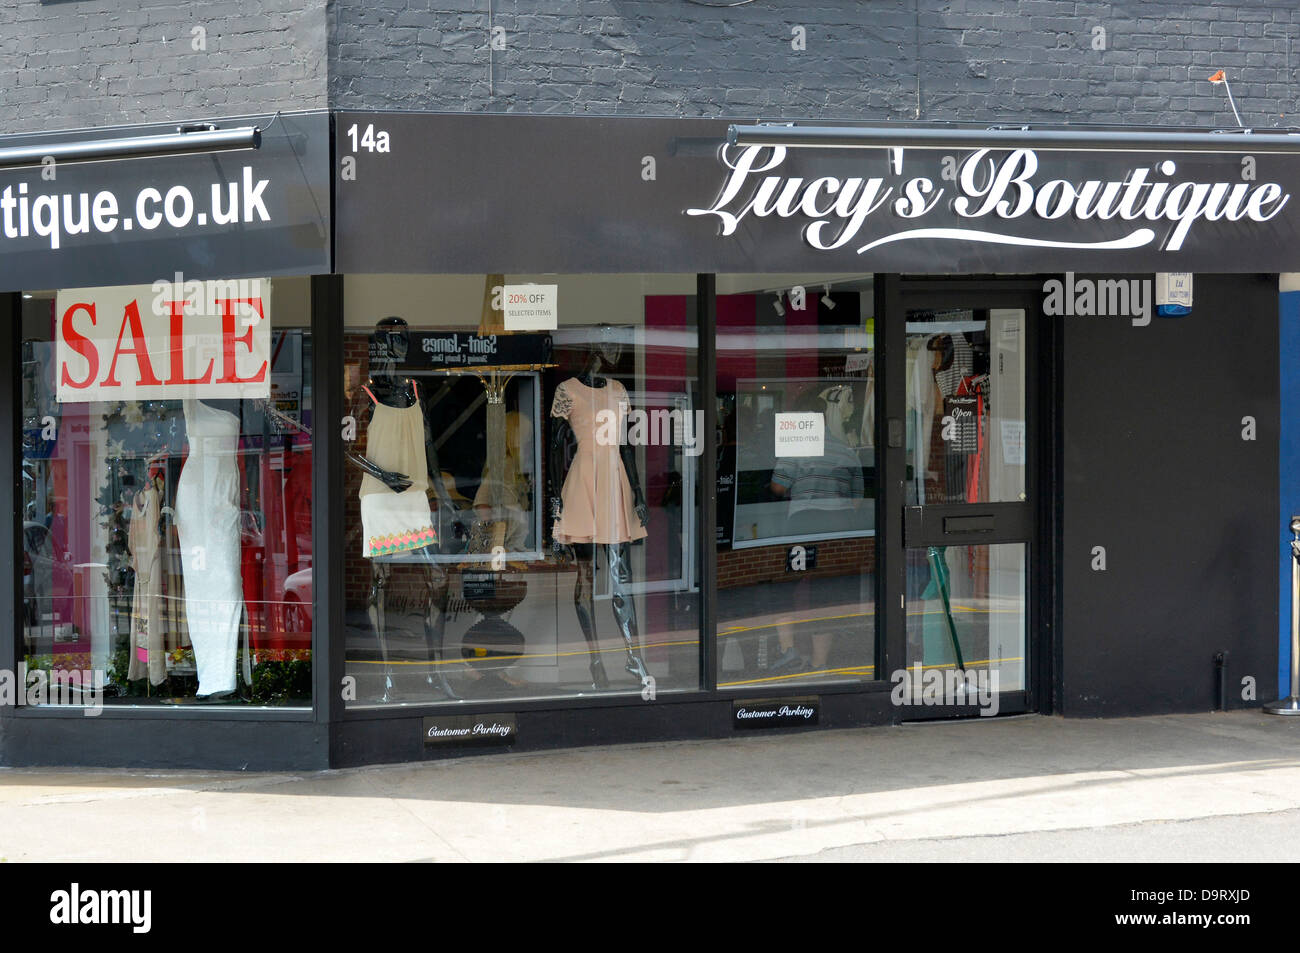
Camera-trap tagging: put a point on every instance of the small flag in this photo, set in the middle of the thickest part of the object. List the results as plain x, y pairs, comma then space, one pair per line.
1217, 77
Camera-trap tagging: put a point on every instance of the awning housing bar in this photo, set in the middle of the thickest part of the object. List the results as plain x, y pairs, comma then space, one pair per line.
878, 137
184, 141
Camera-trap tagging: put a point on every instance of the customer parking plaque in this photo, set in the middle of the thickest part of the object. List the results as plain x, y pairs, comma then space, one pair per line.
470, 729
775, 713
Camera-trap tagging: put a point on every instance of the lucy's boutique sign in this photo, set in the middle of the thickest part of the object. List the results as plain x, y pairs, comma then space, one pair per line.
668, 195
989, 194
165, 341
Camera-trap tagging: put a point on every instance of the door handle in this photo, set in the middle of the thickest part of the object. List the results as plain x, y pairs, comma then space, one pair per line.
968, 524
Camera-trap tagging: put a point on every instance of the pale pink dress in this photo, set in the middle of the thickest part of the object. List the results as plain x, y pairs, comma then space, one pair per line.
598, 504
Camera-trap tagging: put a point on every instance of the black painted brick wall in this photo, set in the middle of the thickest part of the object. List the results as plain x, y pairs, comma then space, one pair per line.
74, 63
96, 62
979, 60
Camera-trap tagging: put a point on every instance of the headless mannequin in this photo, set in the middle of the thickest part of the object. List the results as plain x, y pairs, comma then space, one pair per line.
230, 406
391, 344
603, 356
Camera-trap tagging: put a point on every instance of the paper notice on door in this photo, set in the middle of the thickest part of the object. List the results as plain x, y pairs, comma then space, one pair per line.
1013, 442
800, 435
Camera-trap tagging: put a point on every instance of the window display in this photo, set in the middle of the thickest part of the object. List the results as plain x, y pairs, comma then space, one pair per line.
503, 486
167, 490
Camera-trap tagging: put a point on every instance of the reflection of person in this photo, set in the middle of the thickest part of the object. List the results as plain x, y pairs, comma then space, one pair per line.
825, 494
509, 519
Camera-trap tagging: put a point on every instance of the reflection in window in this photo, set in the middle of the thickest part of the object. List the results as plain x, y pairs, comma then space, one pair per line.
796, 480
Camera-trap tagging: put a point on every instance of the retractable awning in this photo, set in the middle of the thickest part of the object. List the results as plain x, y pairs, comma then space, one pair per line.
796, 136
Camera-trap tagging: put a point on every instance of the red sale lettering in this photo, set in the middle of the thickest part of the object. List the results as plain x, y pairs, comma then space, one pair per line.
229, 340
176, 345
81, 344
139, 347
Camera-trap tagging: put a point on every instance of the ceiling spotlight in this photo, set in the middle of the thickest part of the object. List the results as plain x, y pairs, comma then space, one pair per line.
827, 299
778, 307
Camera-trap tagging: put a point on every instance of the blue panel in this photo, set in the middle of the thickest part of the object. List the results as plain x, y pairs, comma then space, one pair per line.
1289, 462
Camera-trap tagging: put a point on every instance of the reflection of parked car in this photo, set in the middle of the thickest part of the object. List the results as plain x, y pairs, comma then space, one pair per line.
45, 576
297, 609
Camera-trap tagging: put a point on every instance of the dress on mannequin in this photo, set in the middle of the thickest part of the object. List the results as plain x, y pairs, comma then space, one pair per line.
207, 522
147, 649
598, 502
394, 522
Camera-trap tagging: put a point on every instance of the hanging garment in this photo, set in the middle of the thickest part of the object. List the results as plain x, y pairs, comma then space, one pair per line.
921, 396
977, 386
597, 504
395, 522
959, 368
147, 639
867, 427
207, 524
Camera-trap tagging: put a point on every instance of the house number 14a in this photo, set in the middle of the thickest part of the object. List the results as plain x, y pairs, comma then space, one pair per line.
371, 140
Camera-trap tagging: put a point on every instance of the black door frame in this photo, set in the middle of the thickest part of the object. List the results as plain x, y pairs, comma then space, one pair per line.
1031, 522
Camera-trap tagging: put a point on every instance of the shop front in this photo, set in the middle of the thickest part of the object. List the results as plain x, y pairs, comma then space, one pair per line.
568, 431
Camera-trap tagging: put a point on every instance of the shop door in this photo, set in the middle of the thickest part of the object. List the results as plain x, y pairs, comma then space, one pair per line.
960, 398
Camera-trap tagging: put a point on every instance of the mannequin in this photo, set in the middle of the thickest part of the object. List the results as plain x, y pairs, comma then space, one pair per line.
388, 495
598, 503
207, 524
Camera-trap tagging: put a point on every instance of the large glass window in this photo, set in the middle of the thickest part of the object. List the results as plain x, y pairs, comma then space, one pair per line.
520, 486
166, 493
796, 480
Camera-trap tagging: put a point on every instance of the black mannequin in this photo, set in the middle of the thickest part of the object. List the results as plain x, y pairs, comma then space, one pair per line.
389, 347
603, 356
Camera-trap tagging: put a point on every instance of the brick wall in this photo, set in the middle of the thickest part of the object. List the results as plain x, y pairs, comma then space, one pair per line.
101, 62
98, 62
980, 60
835, 557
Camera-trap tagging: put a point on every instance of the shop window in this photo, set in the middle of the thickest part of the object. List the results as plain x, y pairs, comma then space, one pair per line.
797, 485
166, 493
520, 487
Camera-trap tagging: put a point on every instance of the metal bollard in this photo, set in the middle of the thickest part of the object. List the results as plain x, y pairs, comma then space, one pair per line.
1291, 704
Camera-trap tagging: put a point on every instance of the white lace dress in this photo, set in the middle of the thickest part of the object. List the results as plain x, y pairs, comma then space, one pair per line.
207, 522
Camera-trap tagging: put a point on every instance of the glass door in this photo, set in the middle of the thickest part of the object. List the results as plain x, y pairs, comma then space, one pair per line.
959, 426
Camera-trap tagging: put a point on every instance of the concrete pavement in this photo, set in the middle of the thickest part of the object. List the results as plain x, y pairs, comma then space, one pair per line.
1186, 787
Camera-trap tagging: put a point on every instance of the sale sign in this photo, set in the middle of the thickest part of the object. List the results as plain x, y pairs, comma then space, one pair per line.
531, 307
800, 435
165, 341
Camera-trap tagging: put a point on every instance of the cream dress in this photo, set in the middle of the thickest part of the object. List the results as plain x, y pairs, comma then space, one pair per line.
597, 500
396, 522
